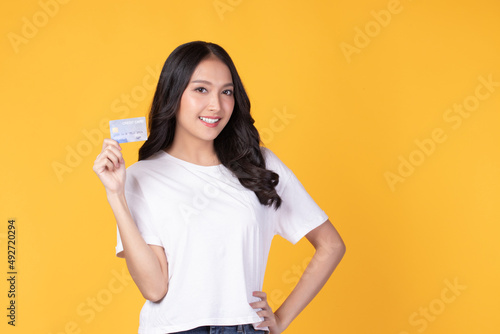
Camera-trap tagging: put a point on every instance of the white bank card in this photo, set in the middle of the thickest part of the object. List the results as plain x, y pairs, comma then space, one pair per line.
128, 130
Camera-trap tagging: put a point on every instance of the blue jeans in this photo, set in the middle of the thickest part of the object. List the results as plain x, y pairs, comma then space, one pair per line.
237, 329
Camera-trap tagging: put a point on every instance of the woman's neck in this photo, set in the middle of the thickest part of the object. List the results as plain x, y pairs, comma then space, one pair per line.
202, 153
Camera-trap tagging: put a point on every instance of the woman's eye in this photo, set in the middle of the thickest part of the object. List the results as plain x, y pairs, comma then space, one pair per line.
201, 90
228, 92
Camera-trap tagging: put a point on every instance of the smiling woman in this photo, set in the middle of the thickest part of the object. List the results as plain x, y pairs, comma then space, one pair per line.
236, 144
205, 108
197, 213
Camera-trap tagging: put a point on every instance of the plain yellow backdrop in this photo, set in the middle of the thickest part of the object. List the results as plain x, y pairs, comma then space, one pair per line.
387, 111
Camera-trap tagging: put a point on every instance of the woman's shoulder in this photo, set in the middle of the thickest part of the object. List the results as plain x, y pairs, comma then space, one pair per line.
269, 157
148, 162
142, 176
268, 154
146, 166
274, 163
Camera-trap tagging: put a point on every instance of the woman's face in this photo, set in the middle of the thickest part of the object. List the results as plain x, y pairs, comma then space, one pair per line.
207, 102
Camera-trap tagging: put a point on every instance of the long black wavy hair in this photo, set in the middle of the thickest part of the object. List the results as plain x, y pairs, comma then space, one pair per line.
238, 144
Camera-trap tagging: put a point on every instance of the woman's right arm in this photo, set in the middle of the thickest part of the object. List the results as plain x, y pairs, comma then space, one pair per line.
147, 264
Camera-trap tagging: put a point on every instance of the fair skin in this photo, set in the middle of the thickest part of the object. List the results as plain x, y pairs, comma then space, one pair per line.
206, 106
209, 95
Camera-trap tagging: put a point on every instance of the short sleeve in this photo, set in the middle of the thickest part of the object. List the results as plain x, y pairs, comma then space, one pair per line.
141, 214
298, 213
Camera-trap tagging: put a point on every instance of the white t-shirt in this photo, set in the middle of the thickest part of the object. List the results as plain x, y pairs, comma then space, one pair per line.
216, 237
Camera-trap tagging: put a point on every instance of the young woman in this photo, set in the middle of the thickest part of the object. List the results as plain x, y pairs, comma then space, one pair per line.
197, 213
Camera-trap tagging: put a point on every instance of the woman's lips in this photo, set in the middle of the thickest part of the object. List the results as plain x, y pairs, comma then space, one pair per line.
211, 122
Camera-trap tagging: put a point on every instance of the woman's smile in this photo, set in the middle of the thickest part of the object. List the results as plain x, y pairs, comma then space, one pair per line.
209, 98
210, 121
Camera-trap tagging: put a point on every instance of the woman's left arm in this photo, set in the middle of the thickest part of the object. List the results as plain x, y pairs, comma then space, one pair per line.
330, 249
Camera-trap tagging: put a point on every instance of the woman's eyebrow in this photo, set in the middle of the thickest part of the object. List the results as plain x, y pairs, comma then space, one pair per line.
209, 83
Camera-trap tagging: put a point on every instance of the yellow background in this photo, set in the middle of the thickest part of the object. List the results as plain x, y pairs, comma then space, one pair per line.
351, 119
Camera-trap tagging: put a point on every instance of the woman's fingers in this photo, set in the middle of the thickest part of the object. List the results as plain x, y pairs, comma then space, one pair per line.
265, 311
261, 294
102, 163
111, 154
260, 304
270, 319
110, 142
110, 166
110, 159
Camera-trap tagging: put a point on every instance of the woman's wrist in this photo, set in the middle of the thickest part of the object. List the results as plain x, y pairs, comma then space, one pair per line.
115, 198
281, 319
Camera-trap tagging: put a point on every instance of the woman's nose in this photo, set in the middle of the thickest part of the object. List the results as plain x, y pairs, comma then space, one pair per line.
214, 102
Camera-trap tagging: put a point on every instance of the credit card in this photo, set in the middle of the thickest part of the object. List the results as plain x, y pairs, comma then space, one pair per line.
128, 130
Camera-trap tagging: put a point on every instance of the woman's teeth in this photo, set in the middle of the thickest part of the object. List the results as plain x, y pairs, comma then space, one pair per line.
209, 120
